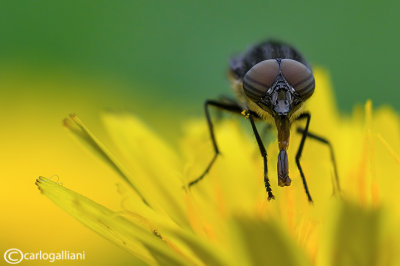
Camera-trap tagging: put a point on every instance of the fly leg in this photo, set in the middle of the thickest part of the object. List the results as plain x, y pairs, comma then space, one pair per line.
227, 101
263, 154
323, 140
231, 107
306, 116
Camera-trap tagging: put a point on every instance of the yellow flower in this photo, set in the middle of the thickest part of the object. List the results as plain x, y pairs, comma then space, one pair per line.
226, 219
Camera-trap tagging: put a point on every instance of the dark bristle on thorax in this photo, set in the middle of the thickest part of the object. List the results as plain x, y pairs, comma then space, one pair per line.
269, 49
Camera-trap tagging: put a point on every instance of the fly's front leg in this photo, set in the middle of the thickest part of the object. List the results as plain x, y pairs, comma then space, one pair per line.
223, 106
263, 154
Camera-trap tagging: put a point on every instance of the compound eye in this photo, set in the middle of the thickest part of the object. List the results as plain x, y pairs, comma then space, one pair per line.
299, 76
260, 78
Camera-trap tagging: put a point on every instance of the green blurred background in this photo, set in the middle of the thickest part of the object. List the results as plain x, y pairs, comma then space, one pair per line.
180, 49
160, 60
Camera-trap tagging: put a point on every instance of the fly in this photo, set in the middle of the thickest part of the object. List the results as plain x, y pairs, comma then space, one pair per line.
271, 80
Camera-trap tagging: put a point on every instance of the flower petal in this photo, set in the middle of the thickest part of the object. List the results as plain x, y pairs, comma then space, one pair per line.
356, 237
155, 165
199, 249
133, 237
83, 134
260, 242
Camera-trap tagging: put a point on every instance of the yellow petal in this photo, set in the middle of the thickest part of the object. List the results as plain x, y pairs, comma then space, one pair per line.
200, 250
356, 237
155, 165
257, 242
80, 131
133, 237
